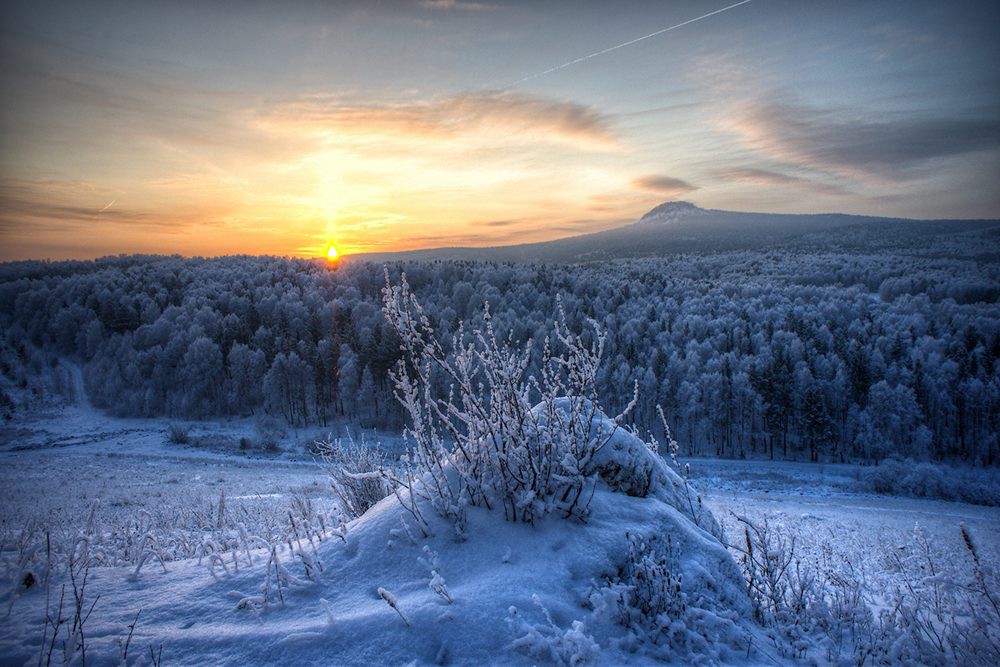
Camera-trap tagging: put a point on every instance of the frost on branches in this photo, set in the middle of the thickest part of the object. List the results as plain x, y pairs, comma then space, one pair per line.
483, 441
494, 426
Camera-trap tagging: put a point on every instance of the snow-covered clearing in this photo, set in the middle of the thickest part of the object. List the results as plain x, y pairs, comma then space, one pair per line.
69, 466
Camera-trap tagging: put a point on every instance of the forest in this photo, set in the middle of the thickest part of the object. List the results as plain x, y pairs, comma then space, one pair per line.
797, 353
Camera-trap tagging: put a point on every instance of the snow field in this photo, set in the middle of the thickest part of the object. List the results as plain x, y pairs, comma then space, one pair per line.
207, 555
193, 615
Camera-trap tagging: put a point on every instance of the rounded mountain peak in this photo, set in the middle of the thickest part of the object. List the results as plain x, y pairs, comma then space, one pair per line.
671, 211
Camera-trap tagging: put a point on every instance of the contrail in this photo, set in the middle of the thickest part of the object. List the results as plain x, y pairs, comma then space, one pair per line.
114, 200
624, 44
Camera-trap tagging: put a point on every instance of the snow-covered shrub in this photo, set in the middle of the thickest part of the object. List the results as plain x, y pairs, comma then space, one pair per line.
927, 480
269, 433
493, 424
930, 480
390, 600
438, 585
652, 598
943, 614
789, 596
908, 603
7, 406
354, 470
666, 615
547, 641
178, 434
63, 637
482, 440
766, 556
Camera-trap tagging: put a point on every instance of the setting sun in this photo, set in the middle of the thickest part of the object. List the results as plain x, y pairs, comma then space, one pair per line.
332, 254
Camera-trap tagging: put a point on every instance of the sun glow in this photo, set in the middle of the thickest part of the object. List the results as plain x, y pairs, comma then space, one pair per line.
332, 254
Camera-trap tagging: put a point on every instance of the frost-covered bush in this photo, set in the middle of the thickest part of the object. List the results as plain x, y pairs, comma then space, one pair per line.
269, 432
355, 471
494, 426
919, 602
766, 556
178, 434
189, 525
926, 480
672, 607
572, 646
652, 596
929, 480
942, 613
479, 437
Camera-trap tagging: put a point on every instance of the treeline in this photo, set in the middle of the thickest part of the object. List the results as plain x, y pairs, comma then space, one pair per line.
785, 354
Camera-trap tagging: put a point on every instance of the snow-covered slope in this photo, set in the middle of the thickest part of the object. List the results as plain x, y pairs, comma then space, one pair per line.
197, 620
559, 591
681, 227
519, 593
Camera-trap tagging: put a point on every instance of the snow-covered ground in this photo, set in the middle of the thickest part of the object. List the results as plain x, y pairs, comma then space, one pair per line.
68, 470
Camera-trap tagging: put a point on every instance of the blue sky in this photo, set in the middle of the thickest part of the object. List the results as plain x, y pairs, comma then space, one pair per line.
216, 128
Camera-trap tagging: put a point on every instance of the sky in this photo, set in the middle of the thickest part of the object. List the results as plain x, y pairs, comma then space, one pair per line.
217, 128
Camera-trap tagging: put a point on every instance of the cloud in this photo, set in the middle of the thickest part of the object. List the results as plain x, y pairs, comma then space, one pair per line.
548, 223
666, 186
588, 225
768, 178
500, 223
59, 206
456, 4
484, 116
835, 141
521, 230
194, 170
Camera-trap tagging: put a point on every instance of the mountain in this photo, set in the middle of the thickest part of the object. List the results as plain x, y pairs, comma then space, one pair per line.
672, 212
681, 227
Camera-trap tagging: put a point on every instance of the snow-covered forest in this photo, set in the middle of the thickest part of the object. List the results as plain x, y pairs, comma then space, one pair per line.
797, 353
522, 499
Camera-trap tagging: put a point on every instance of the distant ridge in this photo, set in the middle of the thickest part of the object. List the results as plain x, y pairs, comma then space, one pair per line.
682, 227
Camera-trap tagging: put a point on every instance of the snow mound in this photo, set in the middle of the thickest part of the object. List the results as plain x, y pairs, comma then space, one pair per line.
560, 591
642, 576
671, 212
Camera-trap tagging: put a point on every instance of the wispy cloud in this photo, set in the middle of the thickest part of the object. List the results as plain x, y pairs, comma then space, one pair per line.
834, 140
456, 4
513, 165
485, 116
52, 218
666, 186
769, 178
521, 230
61, 206
500, 223
587, 225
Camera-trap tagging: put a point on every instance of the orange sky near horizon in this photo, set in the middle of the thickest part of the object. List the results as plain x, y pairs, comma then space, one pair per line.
279, 129
487, 169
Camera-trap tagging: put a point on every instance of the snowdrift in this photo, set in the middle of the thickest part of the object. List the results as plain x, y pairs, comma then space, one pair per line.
643, 578
519, 593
